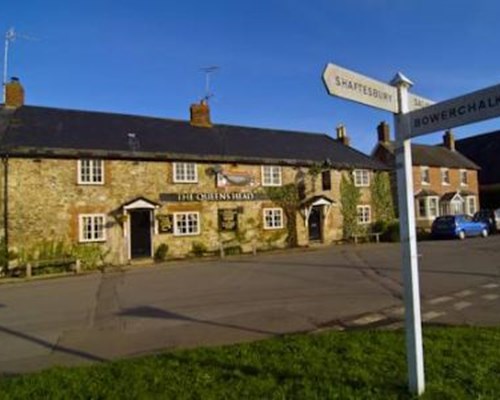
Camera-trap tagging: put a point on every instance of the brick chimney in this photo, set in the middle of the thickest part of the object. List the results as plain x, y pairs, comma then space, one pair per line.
384, 132
14, 93
342, 135
200, 115
449, 140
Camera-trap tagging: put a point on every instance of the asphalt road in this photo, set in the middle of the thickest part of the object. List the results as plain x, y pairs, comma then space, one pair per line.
97, 317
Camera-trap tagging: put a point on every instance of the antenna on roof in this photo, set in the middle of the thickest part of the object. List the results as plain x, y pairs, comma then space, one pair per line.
208, 72
10, 36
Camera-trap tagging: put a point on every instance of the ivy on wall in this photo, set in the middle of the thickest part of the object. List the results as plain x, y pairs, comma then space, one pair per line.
287, 197
349, 200
382, 200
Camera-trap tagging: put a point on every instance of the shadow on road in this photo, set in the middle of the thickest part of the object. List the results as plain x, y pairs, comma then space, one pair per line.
362, 268
51, 346
154, 312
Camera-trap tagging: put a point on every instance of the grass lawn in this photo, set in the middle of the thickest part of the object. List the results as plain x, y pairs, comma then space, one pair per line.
461, 363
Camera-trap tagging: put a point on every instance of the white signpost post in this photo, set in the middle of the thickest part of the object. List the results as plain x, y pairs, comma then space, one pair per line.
413, 116
350, 85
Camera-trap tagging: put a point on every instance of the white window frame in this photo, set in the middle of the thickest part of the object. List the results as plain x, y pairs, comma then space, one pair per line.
180, 173
468, 202
457, 207
96, 235
425, 171
463, 172
268, 178
427, 207
444, 172
361, 177
177, 218
94, 163
273, 213
363, 214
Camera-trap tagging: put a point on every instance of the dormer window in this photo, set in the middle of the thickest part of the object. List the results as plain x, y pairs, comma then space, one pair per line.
90, 172
185, 172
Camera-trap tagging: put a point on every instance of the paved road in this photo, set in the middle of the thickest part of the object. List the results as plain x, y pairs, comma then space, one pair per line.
98, 317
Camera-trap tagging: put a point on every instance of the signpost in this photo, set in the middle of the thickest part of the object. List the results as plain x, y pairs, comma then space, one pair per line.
413, 116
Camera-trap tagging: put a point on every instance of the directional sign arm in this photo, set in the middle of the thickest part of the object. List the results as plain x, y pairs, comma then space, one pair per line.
350, 85
463, 110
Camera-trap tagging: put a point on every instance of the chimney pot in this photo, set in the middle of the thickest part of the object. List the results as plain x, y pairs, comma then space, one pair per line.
14, 93
384, 132
449, 140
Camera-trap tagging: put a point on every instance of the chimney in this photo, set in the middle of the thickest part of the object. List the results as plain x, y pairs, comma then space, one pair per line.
14, 93
384, 132
449, 140
200, 115
342, 135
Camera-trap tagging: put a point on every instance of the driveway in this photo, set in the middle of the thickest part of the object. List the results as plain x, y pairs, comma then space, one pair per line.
98, 317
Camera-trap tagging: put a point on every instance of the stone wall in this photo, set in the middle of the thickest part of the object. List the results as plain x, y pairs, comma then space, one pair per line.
45, 201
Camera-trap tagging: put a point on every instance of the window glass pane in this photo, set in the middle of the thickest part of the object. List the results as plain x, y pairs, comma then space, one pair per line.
91, 171
186, 223
271, 175
361, 177
185, 172
326, 180
422, 210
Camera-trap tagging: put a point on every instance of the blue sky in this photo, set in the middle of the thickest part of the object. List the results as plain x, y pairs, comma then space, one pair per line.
145, 57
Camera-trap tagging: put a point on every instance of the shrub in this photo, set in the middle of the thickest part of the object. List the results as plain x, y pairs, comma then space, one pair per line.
91, 255
161, 252
232, 250
198, 249
389, 230
392, 232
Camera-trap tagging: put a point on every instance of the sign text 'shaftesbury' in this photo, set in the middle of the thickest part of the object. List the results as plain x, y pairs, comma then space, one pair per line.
472, 107
214, 196
350, 85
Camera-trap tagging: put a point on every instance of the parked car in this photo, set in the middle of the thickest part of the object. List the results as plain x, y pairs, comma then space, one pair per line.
491, 217
458, 226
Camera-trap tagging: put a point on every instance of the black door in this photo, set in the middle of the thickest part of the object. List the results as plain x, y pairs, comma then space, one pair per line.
315, 224
140, 233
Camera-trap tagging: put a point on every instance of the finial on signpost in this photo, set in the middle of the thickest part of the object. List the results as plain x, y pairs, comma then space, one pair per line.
401, 80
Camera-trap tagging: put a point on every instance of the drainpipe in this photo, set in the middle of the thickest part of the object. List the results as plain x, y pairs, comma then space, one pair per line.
5, 161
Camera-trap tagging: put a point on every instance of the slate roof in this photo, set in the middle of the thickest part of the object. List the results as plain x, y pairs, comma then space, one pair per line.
435, 156
42, 131
484, 150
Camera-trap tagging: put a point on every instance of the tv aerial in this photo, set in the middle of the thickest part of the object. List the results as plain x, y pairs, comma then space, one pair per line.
10, 36
209, 70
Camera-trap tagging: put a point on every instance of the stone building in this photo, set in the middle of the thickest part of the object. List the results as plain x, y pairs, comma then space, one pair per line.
130, 183
444, 180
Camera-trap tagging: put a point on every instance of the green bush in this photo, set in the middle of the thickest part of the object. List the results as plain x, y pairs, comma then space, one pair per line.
389, 230
161, 252
392, 232
91, 255
198, 249
232, 250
